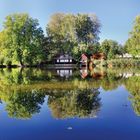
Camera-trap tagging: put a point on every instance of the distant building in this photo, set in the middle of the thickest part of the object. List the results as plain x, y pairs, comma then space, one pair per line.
126, 55
64, 59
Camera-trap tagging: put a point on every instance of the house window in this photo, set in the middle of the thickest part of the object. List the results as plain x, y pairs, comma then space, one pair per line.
57, 61
70, 60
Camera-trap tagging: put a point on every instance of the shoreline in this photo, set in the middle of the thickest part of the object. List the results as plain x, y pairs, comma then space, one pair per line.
113, 63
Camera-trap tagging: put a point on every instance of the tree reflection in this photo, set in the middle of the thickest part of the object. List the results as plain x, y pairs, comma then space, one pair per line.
24, 76
23, 105
75, 103
133, 86
24, 91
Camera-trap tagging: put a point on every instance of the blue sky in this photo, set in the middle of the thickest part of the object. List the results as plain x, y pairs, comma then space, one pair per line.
116, 16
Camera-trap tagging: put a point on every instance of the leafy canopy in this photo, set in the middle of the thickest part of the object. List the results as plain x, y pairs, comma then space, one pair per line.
71, 33
22, 40
133, 43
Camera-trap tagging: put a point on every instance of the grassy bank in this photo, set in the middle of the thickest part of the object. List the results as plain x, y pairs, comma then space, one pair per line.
118, 63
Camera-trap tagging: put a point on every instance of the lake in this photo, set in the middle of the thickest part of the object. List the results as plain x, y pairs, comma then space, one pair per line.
70, 104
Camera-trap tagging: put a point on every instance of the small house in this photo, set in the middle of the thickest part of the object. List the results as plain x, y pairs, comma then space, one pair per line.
64, 59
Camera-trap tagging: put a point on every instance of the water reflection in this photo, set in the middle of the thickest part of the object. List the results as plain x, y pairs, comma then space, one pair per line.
76, 103
63, 104
24, 90
23, 105
64, 72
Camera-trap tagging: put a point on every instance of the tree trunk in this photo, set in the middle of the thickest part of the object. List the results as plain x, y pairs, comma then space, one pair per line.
21, 64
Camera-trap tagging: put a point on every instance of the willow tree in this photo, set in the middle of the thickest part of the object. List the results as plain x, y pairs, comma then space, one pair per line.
133, 43
23, 40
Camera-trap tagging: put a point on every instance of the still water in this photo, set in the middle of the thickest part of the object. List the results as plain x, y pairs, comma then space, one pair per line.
66, 104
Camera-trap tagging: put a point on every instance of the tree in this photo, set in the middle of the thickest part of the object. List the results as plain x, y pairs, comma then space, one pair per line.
73, 33
2, 44
87, 31
133, 43
110, 48
61, 31
87, 28
23, 40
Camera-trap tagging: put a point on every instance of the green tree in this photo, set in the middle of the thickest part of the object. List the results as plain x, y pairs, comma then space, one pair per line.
2, 44
87, 28
61, 31
110, 48
72, 34
133, 43
23, 40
